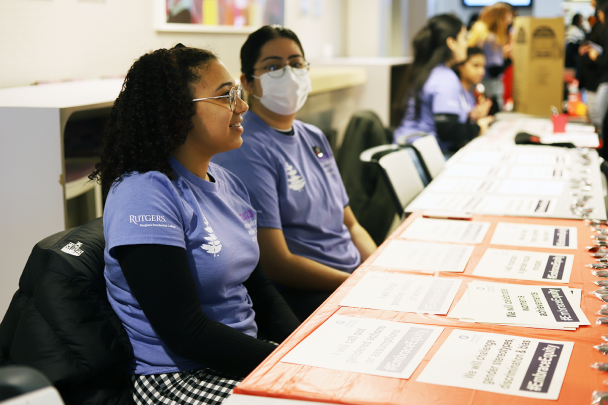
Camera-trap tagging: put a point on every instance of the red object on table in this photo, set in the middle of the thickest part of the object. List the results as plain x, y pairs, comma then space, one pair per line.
559, 122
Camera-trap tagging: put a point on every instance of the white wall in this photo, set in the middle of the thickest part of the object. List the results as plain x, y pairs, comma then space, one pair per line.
49, 40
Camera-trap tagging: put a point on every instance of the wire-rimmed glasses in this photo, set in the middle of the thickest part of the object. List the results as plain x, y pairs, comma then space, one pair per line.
277, 70
232, 96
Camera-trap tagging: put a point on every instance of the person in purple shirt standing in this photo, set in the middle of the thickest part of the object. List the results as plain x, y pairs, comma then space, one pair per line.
434, 101
471, 72
181, 252
309, 239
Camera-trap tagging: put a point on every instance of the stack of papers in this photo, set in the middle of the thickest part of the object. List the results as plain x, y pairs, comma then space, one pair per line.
544, 307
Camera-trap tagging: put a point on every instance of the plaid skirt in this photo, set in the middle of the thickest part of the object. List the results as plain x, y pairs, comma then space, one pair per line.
205, 386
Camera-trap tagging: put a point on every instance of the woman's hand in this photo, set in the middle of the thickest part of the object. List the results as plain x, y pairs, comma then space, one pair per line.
480, 110
484, 123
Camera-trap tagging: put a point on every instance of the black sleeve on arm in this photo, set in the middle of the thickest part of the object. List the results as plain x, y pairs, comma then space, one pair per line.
274, 317
160, 279
450, 130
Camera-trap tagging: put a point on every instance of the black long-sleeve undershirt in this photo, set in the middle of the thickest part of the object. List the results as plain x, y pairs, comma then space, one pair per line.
160, 280
451, 130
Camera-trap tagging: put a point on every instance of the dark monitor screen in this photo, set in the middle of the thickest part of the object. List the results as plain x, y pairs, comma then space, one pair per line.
483, 3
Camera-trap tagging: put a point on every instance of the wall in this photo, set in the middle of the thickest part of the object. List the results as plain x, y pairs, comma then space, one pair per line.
50, 40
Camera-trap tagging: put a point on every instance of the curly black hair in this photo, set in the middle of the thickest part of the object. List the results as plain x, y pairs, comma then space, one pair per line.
152, 115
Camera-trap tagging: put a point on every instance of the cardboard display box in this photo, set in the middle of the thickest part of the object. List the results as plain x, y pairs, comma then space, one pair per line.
538, 64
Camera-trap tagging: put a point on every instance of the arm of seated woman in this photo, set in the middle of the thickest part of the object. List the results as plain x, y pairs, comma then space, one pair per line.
364, 243
272, 314
291, 270
160, 279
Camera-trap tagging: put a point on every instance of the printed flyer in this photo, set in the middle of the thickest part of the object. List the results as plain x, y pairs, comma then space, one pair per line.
424, 256
446, 230
367, 346
529, 235
403, 292
503, 364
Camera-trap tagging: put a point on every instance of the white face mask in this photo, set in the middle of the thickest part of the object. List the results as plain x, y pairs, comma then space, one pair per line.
284, 95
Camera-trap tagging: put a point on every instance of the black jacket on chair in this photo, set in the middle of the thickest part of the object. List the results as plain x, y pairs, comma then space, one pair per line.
368, 193
61, 323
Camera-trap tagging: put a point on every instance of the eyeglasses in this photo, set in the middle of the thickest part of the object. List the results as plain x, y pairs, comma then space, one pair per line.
277, 70
232, 96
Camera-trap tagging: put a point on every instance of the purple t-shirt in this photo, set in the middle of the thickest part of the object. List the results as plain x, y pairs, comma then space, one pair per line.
470, 100
441, 94
295, 186
494, 56
216, 225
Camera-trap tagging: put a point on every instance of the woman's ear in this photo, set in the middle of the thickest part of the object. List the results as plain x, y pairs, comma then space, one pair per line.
247, 85
451, 43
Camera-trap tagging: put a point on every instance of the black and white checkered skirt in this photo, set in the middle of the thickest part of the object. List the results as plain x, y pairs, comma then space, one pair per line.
205, 386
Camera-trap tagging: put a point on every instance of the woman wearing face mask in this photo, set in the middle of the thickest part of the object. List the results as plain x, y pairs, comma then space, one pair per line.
309, 239
181, 254
435, 102
471, 73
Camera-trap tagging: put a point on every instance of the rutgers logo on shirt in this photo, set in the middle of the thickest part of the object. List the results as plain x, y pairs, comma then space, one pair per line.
296, 182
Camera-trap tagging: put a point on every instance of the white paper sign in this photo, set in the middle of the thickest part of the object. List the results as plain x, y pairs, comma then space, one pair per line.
538, 172
521, 206
531, 187
469, 186
368, 346
502, 364
463, 310
403, 292
446, 230
467, 170
544, 236
421, 256
523, 265
524, 304
446, 202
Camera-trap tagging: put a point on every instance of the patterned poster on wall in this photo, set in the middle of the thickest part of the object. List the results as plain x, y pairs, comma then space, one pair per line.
221, 15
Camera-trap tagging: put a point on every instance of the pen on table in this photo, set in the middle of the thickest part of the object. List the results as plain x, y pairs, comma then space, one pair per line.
447, 215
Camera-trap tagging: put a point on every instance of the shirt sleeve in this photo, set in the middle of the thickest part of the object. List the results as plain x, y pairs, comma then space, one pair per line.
144, 209
447, 93
254, 166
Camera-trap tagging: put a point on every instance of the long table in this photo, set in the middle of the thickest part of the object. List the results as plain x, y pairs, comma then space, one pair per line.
493, 176
290, 382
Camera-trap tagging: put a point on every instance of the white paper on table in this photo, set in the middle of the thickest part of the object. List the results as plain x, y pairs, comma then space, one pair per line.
403, 292
502, 364
422, 256
578, 139
529, 235
539, 172
446, 230
531, 187
458, 185
521, 206
468, 170
446, 202
524, 304
368, 346
463, 310
524, 265
482, 157
535, 159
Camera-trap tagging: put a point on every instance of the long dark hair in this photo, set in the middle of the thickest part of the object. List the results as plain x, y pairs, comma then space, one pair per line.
250, 51
430, 49
152, 115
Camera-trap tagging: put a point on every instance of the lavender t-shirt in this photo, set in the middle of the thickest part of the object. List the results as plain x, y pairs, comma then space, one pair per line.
441, 94
295, 186
216, 225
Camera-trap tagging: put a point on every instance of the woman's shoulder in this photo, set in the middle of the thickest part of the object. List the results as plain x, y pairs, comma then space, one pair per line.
135, 181
441, 77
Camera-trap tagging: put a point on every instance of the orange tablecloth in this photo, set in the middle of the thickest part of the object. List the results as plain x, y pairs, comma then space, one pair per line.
275, 379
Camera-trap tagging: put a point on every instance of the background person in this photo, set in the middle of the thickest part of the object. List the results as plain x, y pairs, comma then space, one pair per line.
471, 73
435, 101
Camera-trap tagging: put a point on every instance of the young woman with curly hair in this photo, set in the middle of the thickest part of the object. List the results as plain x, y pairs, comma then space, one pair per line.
181, 251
